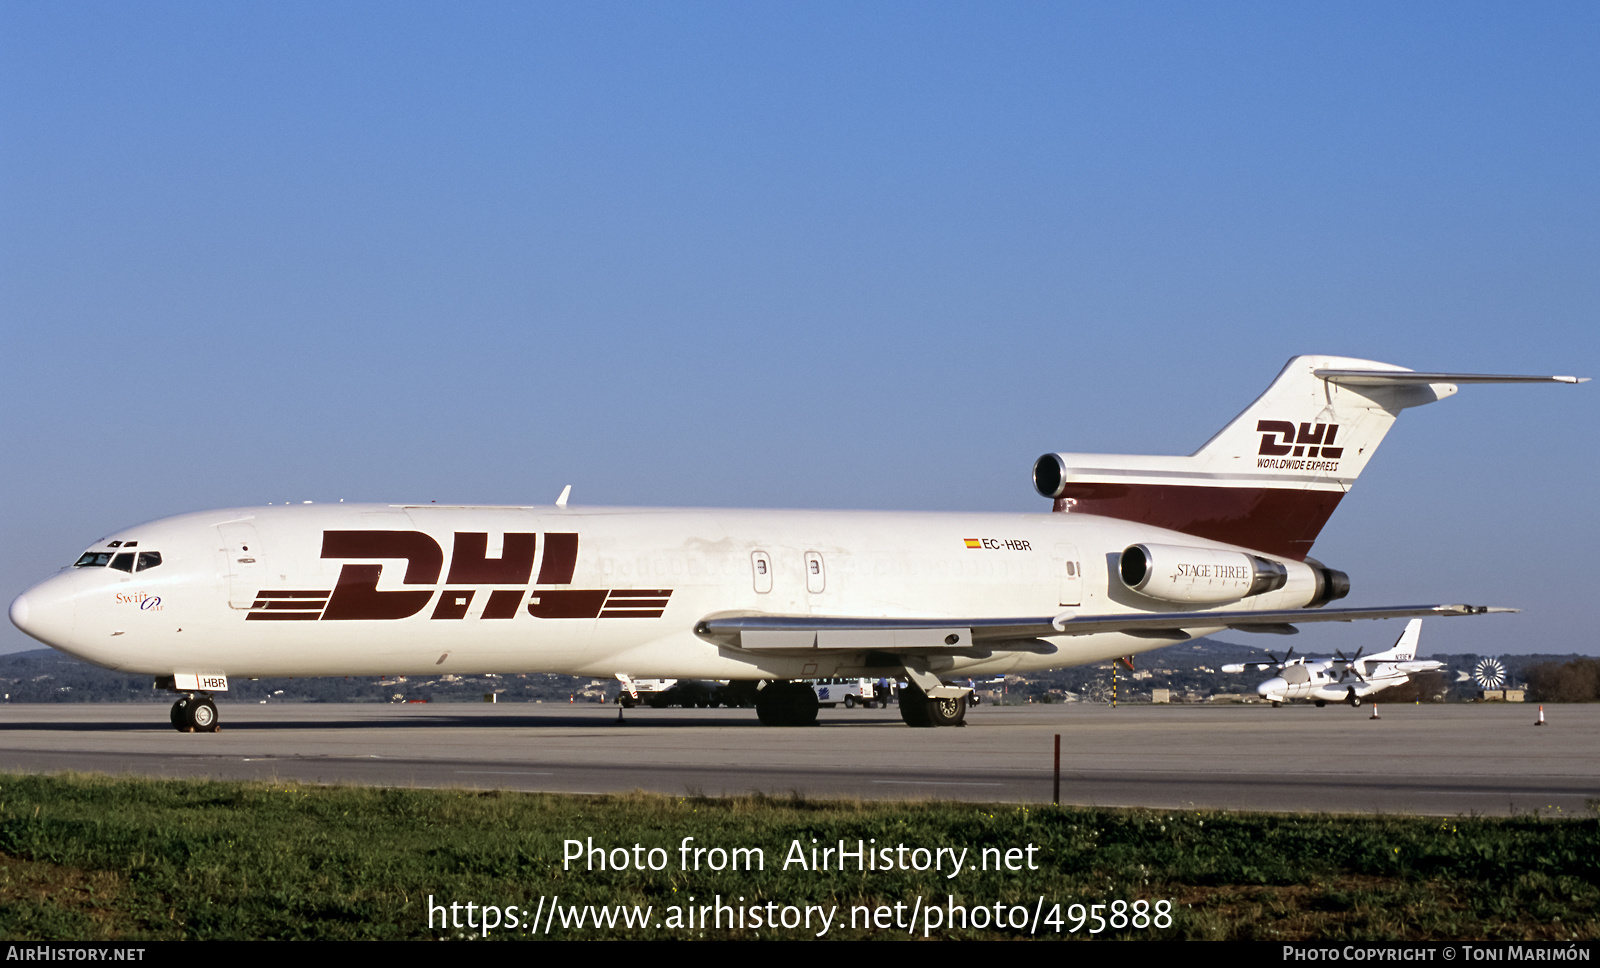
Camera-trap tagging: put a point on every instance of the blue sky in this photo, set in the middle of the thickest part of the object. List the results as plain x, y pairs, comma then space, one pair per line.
809, 255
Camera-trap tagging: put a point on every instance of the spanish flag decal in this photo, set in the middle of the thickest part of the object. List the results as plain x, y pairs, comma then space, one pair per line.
973, 543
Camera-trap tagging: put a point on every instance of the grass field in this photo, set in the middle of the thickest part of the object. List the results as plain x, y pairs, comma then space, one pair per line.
99, 859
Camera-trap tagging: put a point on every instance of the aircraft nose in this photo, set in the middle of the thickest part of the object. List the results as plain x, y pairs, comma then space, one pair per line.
45, 615
1272, 687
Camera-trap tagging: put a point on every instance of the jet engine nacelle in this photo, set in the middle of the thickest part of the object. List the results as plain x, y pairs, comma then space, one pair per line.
1174, 573
1332, 584
1177, 573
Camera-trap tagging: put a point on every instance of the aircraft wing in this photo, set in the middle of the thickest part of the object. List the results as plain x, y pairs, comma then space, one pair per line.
1421, 665
788, 634
1237, 667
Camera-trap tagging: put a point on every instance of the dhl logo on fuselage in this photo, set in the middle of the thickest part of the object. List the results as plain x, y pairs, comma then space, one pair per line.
356, 596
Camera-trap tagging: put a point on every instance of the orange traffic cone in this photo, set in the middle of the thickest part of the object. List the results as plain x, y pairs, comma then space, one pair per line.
1540, 720
1374, 712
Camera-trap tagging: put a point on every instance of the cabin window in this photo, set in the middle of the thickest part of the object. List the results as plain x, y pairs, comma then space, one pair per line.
123, 562
93, 559
149, 559
761, 571
816, 578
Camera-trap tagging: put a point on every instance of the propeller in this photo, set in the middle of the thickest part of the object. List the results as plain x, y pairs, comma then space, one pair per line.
1351, 665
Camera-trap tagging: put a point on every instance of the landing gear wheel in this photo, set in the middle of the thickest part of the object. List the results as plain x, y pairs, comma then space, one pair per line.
194, 714
1321, 703
769, 705
914, 707
1355, 702
947, 712
787, 704
918, 711
202, 716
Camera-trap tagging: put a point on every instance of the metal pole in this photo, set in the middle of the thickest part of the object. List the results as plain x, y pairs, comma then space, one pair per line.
1056, 797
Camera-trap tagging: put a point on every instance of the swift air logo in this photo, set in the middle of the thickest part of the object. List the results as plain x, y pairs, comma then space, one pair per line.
356, 596
1312, 442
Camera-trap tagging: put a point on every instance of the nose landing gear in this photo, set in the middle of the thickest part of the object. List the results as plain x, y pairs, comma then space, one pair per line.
194, 714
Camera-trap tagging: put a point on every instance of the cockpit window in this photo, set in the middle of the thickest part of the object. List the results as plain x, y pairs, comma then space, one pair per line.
122, 561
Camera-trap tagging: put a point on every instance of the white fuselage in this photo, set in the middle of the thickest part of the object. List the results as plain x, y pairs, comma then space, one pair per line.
249, 592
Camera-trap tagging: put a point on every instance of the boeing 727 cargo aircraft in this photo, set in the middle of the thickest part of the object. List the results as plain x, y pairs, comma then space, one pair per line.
1140, 552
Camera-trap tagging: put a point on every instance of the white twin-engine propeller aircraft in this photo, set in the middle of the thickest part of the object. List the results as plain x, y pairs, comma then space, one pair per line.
1140, 553
1341, 679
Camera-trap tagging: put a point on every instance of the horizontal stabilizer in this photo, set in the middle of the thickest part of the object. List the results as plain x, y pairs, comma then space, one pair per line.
1379, 378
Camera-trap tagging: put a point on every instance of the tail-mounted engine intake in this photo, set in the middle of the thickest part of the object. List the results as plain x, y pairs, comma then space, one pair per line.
1172, 573
1049, 475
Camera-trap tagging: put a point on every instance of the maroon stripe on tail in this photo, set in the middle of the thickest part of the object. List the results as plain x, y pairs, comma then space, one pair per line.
1279, 521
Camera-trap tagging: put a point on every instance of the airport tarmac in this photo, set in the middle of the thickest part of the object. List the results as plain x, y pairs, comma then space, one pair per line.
1435, 759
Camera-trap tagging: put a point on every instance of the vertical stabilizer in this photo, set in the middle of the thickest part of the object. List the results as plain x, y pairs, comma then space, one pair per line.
1273, 476
1405, 647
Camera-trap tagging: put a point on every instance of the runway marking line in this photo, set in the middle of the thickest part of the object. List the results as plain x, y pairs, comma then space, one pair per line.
939, 782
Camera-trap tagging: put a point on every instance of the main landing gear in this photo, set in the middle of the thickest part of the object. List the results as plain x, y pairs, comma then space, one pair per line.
787, 704
1350, 699
795, 704
918, 710
194, 714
